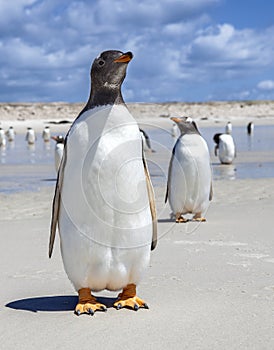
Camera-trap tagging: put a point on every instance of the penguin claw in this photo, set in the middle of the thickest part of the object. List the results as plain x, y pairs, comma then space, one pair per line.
119, 306
90, 311
77, 312
136, 307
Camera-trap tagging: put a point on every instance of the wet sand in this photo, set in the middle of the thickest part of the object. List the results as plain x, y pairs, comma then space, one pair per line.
209, 285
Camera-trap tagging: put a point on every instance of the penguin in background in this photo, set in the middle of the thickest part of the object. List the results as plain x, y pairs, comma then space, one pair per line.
250, 128
189, 185
225, 148
228, 128
2, 138
46, 134
174, 130
59, 150
30, 136
104, 201
10, 133
146, 141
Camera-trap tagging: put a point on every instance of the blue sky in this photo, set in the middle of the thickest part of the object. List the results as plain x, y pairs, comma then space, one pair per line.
184, 50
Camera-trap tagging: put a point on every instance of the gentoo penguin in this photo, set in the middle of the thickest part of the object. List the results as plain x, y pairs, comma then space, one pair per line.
250, 128
46, 134
104, 201
2, 138
146, 141
226, 147
189, 185
174, 130
59, 149
228, 128
10, 134
30, 136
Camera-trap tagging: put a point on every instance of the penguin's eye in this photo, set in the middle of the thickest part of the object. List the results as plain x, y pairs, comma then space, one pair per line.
101, 62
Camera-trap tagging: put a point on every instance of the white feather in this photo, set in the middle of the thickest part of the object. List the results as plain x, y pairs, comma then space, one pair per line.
105, 221
190, 176
226, 149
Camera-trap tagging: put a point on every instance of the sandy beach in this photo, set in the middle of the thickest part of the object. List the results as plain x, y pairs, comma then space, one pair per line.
209, 285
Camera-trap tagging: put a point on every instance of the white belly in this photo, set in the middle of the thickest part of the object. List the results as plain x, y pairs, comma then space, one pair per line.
105, 221
59, 149
226, 149
190, 176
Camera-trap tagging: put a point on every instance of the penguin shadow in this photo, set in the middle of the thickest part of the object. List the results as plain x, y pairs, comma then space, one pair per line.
166, 220
53, 303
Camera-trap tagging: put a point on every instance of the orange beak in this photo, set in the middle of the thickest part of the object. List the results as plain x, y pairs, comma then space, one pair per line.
176, 120
126, 57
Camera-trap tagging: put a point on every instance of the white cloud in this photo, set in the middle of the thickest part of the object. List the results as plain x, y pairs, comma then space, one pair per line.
266, 85
179, 52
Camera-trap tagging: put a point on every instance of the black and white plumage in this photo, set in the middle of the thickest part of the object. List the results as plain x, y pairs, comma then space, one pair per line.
46, 134
225, 148
10, 133
250, 128
189, 186
104, 201
228, 128
59, 150
30, 136
146, 141
2, 138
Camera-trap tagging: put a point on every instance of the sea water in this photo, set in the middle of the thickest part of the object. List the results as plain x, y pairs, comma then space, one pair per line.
29, 167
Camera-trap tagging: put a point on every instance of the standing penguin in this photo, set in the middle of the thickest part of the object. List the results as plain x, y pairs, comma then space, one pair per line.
146, 141
10, 134
30, 136
189, 186
46, 134
250, 128
2, 138
59, 150
226, 147
104, 201
174, 130
228, 128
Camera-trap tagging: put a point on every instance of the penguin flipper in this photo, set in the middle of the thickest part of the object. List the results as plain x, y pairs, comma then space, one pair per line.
211, 192
152, 204
56, 203
169, 171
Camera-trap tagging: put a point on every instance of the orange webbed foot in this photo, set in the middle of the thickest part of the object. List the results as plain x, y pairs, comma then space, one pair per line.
87, 303
129, 299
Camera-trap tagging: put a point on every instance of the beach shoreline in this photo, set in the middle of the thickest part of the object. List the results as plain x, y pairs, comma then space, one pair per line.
21, 115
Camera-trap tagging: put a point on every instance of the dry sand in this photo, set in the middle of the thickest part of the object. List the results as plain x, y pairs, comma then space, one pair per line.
209, 286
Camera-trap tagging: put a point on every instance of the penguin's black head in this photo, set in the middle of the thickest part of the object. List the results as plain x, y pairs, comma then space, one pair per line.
58, 138
186, 125
109, 69
216, 138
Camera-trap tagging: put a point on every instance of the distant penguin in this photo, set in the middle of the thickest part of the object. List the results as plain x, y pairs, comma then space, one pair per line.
146, 141
228, 128
189, 186
104, 201
46, 134
2, 138
250, 128
10, 133
225, 148
30, 136
174, 130
59, 149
